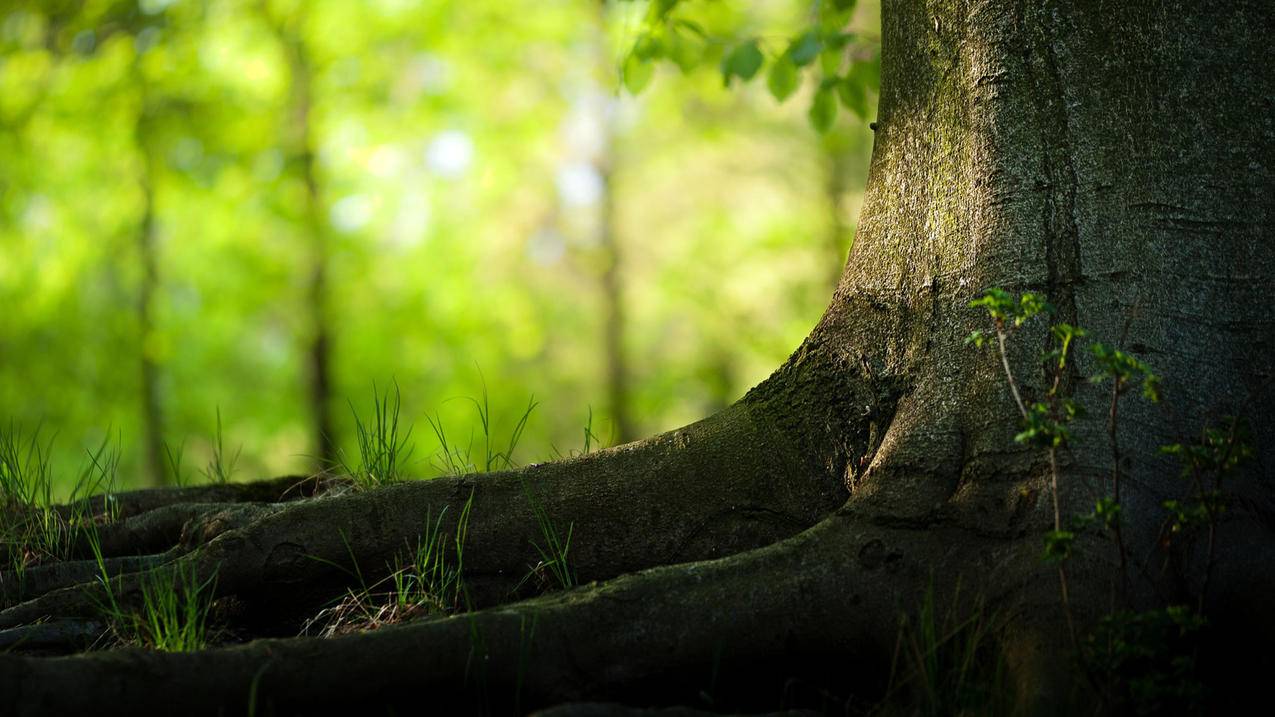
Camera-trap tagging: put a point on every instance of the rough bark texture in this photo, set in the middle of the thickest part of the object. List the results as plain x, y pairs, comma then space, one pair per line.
1116, 157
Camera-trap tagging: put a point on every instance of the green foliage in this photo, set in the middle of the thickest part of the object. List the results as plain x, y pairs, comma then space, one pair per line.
1045, 424
1124, 370
1064, 335
844, 69
1218, 450
1205, 464
823, 110
743, 62
429, 268
1009, 311
1141, 662
783, 79
1058, 545
1145, 662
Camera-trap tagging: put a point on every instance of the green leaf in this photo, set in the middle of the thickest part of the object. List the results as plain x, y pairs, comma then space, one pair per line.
648, 47
743, 62
844, 5
659, 9
691, 26
637, 73
783, 78
852, 96
804, 49
685, 51
823, 110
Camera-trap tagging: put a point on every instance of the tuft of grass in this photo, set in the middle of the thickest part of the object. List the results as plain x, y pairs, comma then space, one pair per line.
427, 580
948, 662
177, 475
554, 569
452, 459
25, 474
175, 606
429, 577
383, 452
219, 470
591, 442
33, 529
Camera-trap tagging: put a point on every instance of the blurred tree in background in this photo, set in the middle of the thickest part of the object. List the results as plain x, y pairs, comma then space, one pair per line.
262, 207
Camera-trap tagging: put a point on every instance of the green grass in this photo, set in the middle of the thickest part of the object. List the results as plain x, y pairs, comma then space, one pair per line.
176, 474
173, 615
947, 661
591, 442
429, 576
32, 529
428, 579
219, 470
554, 569
452, 459
383, 449
174, 609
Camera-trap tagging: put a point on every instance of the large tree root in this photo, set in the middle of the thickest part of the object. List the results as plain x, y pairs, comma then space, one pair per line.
822, 605
726, 486
124, 505
721, 486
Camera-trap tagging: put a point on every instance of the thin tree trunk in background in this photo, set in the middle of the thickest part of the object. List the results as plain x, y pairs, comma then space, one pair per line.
612, 280
612, 283
152, 408
302, 156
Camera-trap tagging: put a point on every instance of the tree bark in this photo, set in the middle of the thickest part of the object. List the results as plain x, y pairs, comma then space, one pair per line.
1117, 158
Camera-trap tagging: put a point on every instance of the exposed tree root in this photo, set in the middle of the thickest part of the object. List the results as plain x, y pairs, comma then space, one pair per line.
57, 636
43, 579
718, 487
822, 603
275, 490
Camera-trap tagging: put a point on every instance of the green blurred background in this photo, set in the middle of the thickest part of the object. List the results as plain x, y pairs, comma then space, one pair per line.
261, 208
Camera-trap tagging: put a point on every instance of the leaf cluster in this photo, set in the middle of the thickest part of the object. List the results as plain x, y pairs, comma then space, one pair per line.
843, 68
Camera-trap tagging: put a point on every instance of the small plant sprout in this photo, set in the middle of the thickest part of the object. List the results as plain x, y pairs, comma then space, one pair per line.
1205, 463
219, 470
383, 449
1044, 423
591, 443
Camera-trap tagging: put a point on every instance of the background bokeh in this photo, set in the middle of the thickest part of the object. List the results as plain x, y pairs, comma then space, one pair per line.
206, 203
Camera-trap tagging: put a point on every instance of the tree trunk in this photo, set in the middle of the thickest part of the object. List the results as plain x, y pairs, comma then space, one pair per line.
1116, 157
301, 156
152, 407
